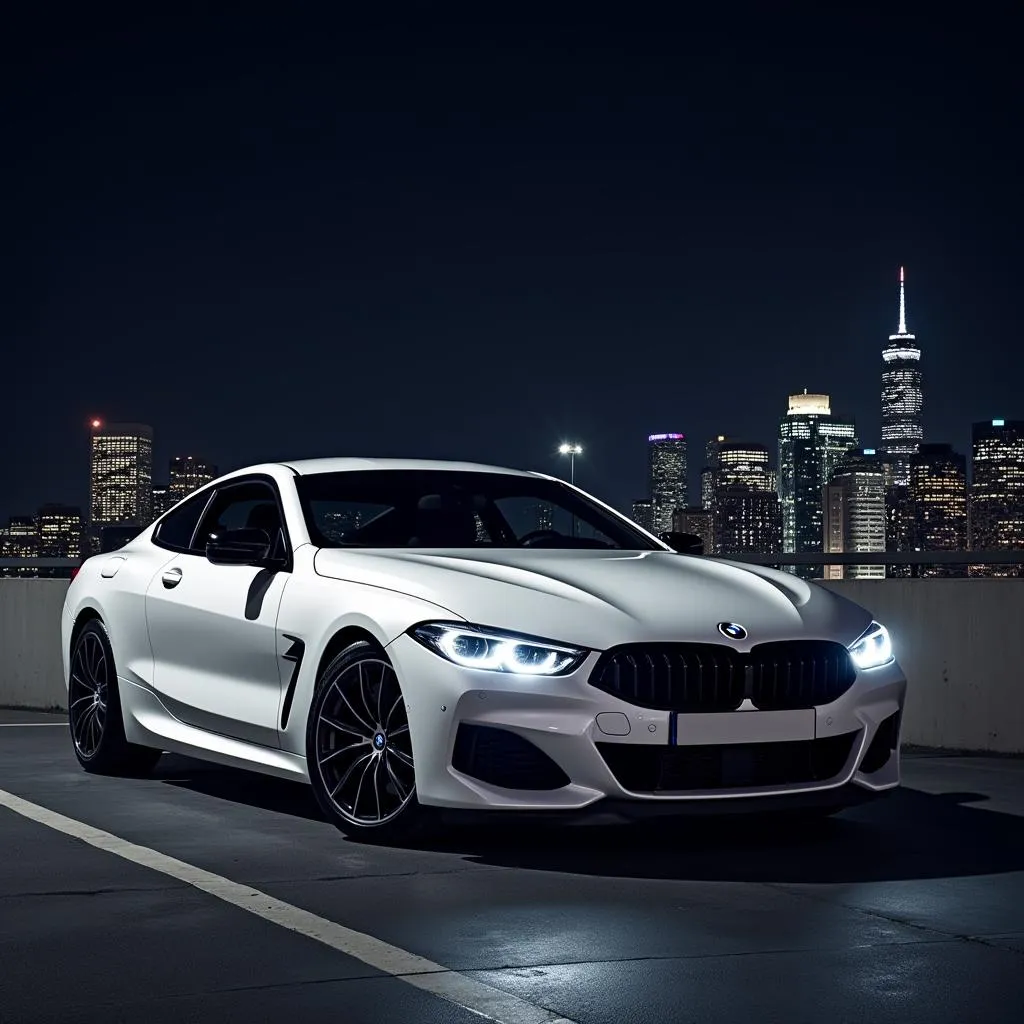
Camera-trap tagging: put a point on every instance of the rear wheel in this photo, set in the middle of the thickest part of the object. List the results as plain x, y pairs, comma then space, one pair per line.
94, 709
359, 750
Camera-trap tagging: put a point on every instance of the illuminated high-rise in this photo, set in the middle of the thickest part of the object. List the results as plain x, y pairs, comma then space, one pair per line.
739, 463
938, 498
667, 469
997, 491
707, 474
697, 522
121, 475
739, 491
899, 517
162, 500
812, 442
19, 539
188, 474
60, 531
902, 396
747, 521
643, 514
899, 527
855, 514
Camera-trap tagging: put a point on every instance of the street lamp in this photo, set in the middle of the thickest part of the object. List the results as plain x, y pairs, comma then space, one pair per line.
572, 450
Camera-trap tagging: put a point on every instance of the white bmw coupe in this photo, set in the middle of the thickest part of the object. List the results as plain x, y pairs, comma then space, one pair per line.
407, 636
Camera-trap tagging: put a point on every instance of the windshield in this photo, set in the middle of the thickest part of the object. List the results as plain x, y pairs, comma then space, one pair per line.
431, 508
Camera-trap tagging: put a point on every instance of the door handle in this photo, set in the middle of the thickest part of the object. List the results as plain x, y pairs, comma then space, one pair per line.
171, 578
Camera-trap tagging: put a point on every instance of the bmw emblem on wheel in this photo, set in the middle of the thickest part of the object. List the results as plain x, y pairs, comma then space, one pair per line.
732, 630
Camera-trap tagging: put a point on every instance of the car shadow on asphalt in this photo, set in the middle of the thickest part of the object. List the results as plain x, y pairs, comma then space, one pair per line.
906, 835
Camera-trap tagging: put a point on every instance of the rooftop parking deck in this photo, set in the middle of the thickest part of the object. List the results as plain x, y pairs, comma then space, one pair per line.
238, 902
209, 894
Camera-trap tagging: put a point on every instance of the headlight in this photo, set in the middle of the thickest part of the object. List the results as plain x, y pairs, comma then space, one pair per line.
873, 649
496, 651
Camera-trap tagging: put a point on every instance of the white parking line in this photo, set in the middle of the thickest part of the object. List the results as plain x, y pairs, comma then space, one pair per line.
489, 1003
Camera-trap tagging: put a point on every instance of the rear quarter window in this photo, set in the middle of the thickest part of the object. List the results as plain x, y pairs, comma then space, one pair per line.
176, 529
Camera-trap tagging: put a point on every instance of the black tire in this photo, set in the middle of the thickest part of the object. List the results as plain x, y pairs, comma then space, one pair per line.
359, 751
94, 709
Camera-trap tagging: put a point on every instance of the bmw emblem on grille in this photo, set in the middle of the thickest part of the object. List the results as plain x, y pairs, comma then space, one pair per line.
732, 631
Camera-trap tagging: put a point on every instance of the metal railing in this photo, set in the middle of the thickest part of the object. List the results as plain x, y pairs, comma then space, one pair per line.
40, 563
1005, 557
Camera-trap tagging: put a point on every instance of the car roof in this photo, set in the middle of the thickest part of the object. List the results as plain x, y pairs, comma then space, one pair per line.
311, 467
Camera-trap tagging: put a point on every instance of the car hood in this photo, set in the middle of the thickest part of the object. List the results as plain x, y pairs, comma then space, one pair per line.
598, 599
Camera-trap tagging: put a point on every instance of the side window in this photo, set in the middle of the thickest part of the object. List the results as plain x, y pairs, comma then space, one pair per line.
249, 505
175, 530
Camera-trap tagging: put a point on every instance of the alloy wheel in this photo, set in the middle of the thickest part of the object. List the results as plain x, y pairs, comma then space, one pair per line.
362, 745
88, 694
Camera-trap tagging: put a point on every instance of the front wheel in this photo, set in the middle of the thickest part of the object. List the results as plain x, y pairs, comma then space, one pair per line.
94, 709
358, 748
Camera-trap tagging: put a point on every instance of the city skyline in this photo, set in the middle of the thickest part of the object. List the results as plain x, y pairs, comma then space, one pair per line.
694, 494
827, 494
897, 343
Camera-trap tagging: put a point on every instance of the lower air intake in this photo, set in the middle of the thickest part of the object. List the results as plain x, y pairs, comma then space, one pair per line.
502, 758
883, 746
641, 768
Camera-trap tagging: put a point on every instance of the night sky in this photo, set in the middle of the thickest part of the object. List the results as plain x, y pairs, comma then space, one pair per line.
432, 238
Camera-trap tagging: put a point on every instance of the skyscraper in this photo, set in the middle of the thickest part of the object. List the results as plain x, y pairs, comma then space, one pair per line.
697, 522
643, 514
60, 531
811, 443
902, 397
899, 527
121, 475
740, 463
938, 498
162, 500
188, 474
739, 490
667, 477
707, 474
746, 521
19, 539
997, 491
855, 514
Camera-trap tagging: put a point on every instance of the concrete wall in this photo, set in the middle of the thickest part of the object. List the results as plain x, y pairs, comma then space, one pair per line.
31, 673
961, 644
960, 641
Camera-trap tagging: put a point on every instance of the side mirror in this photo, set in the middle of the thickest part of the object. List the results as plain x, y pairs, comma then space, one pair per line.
238, 547
684, 543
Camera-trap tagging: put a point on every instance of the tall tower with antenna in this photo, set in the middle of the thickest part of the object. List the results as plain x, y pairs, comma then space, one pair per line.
902, 397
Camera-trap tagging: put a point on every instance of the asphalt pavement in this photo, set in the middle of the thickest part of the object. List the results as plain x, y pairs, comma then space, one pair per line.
209, 894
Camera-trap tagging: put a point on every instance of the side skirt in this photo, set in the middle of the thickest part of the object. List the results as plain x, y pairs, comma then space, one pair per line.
148, 723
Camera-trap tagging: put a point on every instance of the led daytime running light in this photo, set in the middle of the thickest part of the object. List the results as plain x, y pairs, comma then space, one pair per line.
482, 649
873, 649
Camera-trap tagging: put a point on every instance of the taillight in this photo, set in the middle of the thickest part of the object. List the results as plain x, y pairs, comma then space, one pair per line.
74, 571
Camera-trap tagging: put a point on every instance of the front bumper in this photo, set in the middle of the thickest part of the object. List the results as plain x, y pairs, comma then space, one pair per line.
606, 749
